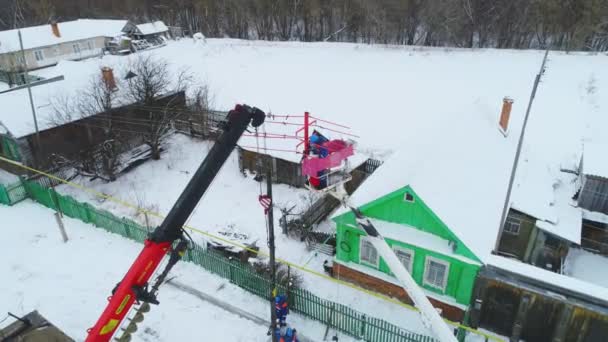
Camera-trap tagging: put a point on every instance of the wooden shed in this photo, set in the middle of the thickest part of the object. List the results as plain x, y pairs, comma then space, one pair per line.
521, 307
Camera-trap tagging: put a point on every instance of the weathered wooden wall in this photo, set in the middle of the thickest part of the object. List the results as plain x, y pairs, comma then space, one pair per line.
594, 194
517, 309
595, 237
72, 138
516, 244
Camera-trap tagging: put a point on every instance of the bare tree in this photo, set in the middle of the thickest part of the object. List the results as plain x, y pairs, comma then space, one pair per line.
92, 107
152, 80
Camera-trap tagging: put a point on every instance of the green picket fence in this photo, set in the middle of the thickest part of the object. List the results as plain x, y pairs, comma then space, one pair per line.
336, 315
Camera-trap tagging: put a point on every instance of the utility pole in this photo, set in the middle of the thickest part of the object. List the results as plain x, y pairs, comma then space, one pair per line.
271, 246
506, 206
29, 88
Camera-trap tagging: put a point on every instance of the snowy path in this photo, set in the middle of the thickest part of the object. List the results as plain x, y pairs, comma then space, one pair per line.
227, 306
69, 283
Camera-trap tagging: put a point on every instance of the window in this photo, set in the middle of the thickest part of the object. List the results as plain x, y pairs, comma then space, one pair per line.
406, 256
367, 253
512, 225
76, 48
436, 273
39, 55
409, 197
20, 58
89, 45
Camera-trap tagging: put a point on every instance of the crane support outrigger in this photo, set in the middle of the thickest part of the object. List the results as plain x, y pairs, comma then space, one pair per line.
169, 238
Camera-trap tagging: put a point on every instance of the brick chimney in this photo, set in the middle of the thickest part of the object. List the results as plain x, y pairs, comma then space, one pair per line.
107, 74
505, 114
55, 29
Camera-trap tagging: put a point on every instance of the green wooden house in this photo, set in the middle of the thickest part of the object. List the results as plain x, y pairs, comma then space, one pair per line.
436, 258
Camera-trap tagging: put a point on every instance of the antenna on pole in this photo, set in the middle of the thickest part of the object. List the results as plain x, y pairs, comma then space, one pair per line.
507, 203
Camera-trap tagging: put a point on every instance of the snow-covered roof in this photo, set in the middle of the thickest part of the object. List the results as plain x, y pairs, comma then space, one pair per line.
459, 165
18, 120
595, 216
566, 115
584, 265
152, 28
542, 275
411, 235
42, 35
594, 159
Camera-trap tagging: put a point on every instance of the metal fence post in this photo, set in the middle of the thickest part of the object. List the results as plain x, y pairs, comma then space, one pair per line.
230, 271
363, 321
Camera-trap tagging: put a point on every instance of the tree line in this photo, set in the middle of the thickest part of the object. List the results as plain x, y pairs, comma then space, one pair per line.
518, 24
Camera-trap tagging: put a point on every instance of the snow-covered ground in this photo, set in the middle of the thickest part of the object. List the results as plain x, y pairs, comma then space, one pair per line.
7, 178
587, 266
231, 201
230, 204
68, 283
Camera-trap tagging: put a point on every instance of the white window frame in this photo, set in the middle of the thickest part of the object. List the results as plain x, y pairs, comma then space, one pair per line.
405, 197
513, 224
76, 48
376, 264
410, 267
427, 262
39, 55
89, 45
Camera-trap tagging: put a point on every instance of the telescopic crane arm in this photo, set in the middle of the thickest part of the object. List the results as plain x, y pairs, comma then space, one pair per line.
430, 317
168, 238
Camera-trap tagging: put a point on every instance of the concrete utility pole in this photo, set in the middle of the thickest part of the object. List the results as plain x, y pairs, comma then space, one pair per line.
507, 203
29, 88
271, 246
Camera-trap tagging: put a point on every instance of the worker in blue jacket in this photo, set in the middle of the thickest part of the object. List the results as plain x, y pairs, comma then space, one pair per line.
281, 308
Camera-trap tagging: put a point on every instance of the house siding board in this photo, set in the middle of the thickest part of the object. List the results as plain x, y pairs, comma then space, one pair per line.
53, 54
461, 276
516, 245
393, 208
594, 194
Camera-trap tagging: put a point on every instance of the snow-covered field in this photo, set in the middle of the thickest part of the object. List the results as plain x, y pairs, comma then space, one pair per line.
68, 283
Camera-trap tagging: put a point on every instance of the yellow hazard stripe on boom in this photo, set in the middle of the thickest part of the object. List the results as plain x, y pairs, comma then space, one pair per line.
218, 238
109, 327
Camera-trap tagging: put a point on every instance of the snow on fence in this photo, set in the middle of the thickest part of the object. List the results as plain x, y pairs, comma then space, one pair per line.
336, 315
